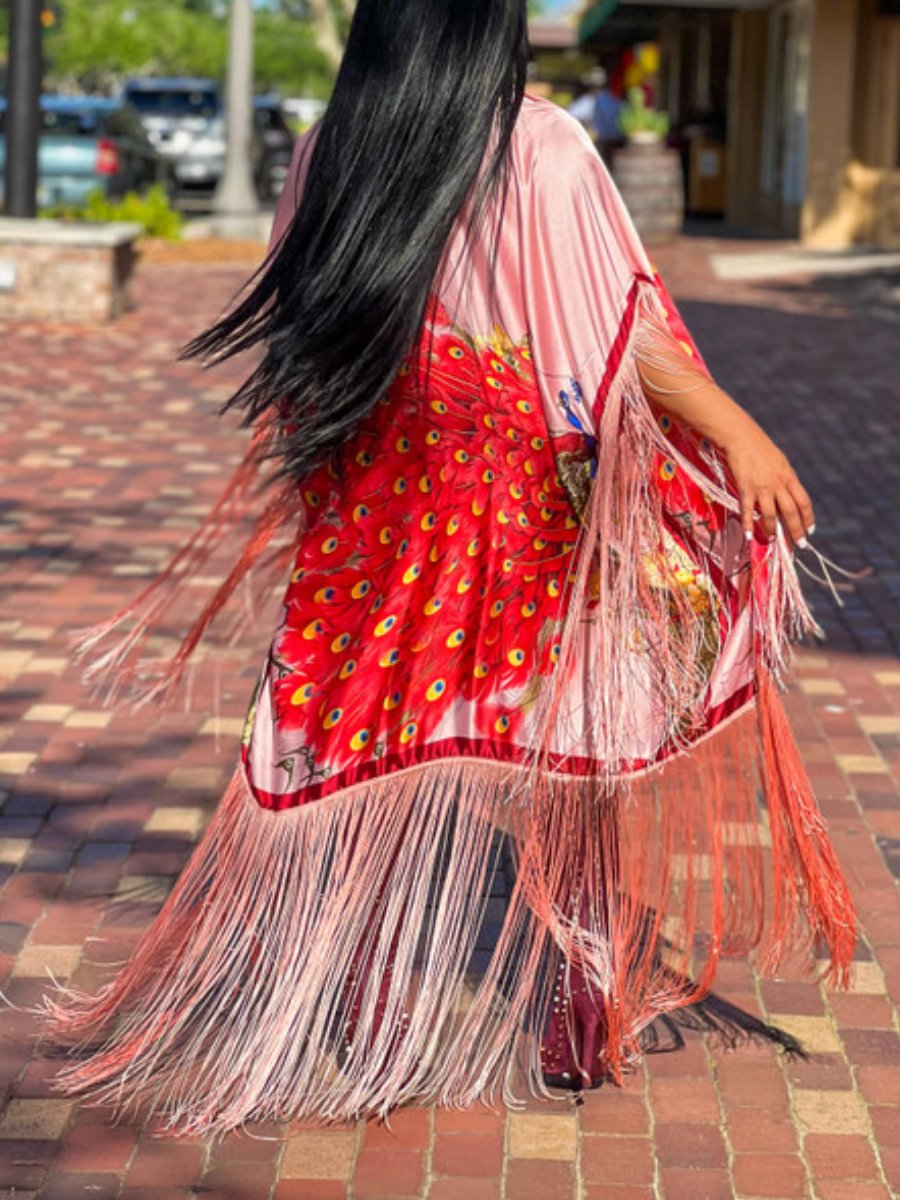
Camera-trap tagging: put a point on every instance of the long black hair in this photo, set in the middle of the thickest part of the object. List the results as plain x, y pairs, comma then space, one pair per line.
429, 92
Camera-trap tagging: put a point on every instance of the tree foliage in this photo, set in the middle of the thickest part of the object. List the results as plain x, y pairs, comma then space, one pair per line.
96, 43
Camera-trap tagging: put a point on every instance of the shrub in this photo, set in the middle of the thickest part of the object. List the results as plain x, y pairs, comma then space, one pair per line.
152, 211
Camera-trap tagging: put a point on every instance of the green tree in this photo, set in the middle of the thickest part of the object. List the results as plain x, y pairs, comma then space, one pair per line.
98, 42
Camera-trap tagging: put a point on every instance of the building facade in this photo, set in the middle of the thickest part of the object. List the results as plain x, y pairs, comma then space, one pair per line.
805, 98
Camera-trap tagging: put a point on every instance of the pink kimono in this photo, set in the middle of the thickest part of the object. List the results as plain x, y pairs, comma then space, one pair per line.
522, 637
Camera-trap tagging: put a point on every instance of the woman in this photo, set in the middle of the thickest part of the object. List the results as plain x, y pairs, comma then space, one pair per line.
541, 590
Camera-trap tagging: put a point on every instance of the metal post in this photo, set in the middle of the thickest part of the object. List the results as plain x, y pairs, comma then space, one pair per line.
24, 113
236, 196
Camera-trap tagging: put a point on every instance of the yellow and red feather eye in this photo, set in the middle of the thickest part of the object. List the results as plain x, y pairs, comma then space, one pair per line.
386, 536
333, 718
408, 732
529, 609
478, 509
313, 630
452, 525
457, 352
554, 653
432, 437
497, 366
330, 545
473, 547
507, 565
378, 605
516, 657
667, 470
523, 406
361, 589
325, 595
502, 724
425, 485
489, 421
428, 522
360, 740
456, 638
298, 575
553, 587
364, 458
481, 670
537, 443
340, 643
433, 605
665, 422
496, 608
390, 659
461, 456
348, 668
488, 476
385, 626
312, 499
361, 512
392, 701
512, 434
436, 690
434, 554
439, 406
493, 383
303, 694
464, 585
502, 517
540, 543
411, 574
516, 491
521, 520
402, 445
529, 468
400, 486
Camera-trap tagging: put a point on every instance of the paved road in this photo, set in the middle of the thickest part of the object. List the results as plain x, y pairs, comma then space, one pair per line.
112, 451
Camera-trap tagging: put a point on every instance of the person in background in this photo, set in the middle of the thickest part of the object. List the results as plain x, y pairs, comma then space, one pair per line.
598, 111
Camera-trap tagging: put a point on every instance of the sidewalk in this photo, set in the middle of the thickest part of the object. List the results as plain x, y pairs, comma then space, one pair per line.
113, 450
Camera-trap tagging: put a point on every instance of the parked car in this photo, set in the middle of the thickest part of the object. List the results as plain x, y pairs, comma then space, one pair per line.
278, 144
185, 120
89, 144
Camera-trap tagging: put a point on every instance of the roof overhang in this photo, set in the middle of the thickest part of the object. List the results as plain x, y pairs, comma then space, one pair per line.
598, 13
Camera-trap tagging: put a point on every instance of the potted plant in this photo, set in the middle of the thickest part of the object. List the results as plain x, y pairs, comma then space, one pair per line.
642, 125
648, 173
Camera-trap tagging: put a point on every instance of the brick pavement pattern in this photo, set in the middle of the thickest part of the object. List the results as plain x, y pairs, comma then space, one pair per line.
112, 451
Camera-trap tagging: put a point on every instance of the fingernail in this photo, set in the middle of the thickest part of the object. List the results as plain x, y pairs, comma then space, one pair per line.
811, 530
748, 535
803, 543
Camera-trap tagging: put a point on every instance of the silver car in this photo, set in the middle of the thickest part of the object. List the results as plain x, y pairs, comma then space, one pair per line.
185, 120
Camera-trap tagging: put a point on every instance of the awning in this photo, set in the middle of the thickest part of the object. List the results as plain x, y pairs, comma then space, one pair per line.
595, 16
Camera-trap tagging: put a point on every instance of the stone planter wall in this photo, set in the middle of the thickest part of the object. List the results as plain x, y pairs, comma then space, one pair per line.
59, 271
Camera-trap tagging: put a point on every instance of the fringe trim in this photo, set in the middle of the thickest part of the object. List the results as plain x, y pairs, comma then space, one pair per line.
115, 667
351, 956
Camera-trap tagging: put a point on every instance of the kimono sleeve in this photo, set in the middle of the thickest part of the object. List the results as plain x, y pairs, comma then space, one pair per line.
591, 294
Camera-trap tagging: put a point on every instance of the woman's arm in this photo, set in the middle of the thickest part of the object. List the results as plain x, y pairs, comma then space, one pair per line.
767, 482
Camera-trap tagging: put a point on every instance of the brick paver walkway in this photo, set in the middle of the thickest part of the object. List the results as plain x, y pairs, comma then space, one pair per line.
112, 450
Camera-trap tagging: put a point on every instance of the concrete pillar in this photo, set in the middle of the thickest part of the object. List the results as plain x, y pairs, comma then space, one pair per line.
825, 221
236, 203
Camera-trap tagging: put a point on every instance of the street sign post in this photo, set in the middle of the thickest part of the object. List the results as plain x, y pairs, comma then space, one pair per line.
24, 107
